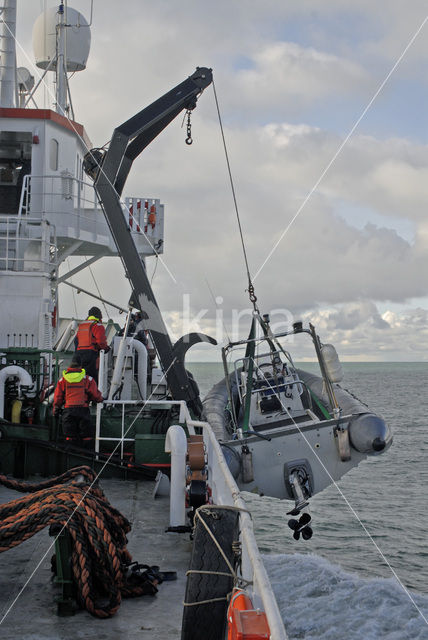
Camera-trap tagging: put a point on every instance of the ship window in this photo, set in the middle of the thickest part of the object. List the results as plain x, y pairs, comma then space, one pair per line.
15, 163
53, 155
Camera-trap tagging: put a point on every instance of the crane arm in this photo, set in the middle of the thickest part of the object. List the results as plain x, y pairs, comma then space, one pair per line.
110, 171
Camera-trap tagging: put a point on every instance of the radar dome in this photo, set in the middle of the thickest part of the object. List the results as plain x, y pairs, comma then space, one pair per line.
77, 43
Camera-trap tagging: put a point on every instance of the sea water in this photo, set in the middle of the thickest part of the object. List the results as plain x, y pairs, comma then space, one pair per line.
347, 581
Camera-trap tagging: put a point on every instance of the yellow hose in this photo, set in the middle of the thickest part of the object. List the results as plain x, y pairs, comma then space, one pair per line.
16, 411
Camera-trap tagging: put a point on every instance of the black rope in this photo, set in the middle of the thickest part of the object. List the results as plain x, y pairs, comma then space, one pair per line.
253, 297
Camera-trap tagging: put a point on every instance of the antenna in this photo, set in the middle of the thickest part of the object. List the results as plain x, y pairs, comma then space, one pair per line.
61, 43
61, 70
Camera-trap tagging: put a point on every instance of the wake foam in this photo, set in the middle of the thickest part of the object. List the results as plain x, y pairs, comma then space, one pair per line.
320, 601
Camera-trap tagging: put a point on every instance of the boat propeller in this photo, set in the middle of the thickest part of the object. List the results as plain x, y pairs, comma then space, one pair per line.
301, 526
301, 489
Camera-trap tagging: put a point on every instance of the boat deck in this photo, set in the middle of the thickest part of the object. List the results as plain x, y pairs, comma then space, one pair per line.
34, 612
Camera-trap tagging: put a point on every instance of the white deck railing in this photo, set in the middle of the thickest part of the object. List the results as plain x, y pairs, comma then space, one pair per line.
225, 491
183, 418
72, 205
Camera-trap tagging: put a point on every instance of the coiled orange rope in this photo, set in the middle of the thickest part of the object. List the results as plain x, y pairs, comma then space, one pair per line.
98, 531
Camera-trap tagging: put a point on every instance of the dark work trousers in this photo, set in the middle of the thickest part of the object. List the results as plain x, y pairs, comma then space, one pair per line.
90, 362
76, 424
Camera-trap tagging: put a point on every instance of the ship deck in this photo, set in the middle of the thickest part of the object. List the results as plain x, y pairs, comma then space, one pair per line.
32, 611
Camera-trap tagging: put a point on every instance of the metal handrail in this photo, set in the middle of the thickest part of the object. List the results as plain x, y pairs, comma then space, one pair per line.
17, 230
82, 185
81, 202
183, 418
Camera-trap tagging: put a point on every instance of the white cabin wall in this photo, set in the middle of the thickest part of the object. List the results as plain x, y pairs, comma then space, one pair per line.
38, 150
67, 148
68, 212
26, 311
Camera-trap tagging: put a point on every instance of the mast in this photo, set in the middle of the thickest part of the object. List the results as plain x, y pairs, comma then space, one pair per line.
8, 86
43, 196
61, 70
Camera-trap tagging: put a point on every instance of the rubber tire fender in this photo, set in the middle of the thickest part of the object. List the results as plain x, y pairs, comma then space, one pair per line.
208, 620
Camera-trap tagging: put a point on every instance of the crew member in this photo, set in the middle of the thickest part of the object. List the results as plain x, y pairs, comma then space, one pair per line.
139, 331
135, 328
90, 339
75, 390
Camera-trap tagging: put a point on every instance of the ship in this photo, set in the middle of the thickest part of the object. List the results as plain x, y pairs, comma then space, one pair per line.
158, 455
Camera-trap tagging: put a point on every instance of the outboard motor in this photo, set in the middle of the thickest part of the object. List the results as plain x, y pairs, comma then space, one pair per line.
299, 482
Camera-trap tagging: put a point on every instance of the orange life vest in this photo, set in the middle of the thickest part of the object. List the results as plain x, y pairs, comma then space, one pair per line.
85, 336
75, 389
151, 219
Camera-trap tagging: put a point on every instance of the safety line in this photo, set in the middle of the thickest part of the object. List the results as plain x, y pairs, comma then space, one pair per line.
232, 186
341, 146
96, 286
84, 496
217, 306
253, 298
350, 507
72, 291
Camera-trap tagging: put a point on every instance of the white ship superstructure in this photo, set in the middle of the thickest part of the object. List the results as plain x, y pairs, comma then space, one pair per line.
48, 207
267, 427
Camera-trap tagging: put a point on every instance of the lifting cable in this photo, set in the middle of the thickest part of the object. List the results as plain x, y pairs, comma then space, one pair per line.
74, 295
251, 293
97, 287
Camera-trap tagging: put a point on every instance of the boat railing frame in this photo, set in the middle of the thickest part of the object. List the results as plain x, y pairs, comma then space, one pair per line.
274, 388
36, 187
273, 338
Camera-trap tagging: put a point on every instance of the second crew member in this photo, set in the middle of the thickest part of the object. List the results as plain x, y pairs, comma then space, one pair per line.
90, 340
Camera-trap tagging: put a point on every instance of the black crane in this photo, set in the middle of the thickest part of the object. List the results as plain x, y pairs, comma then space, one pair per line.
110, 169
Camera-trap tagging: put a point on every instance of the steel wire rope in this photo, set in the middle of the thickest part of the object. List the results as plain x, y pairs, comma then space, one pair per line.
253, 298
96, 286
217, 306
154, 270
73, 292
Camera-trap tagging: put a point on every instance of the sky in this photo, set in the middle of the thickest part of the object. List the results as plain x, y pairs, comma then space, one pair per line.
324, 113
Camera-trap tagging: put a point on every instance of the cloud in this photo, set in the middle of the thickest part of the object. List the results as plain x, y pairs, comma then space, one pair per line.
351, 316
323, 258
359, 331
292, 78
389, 175
288, 75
